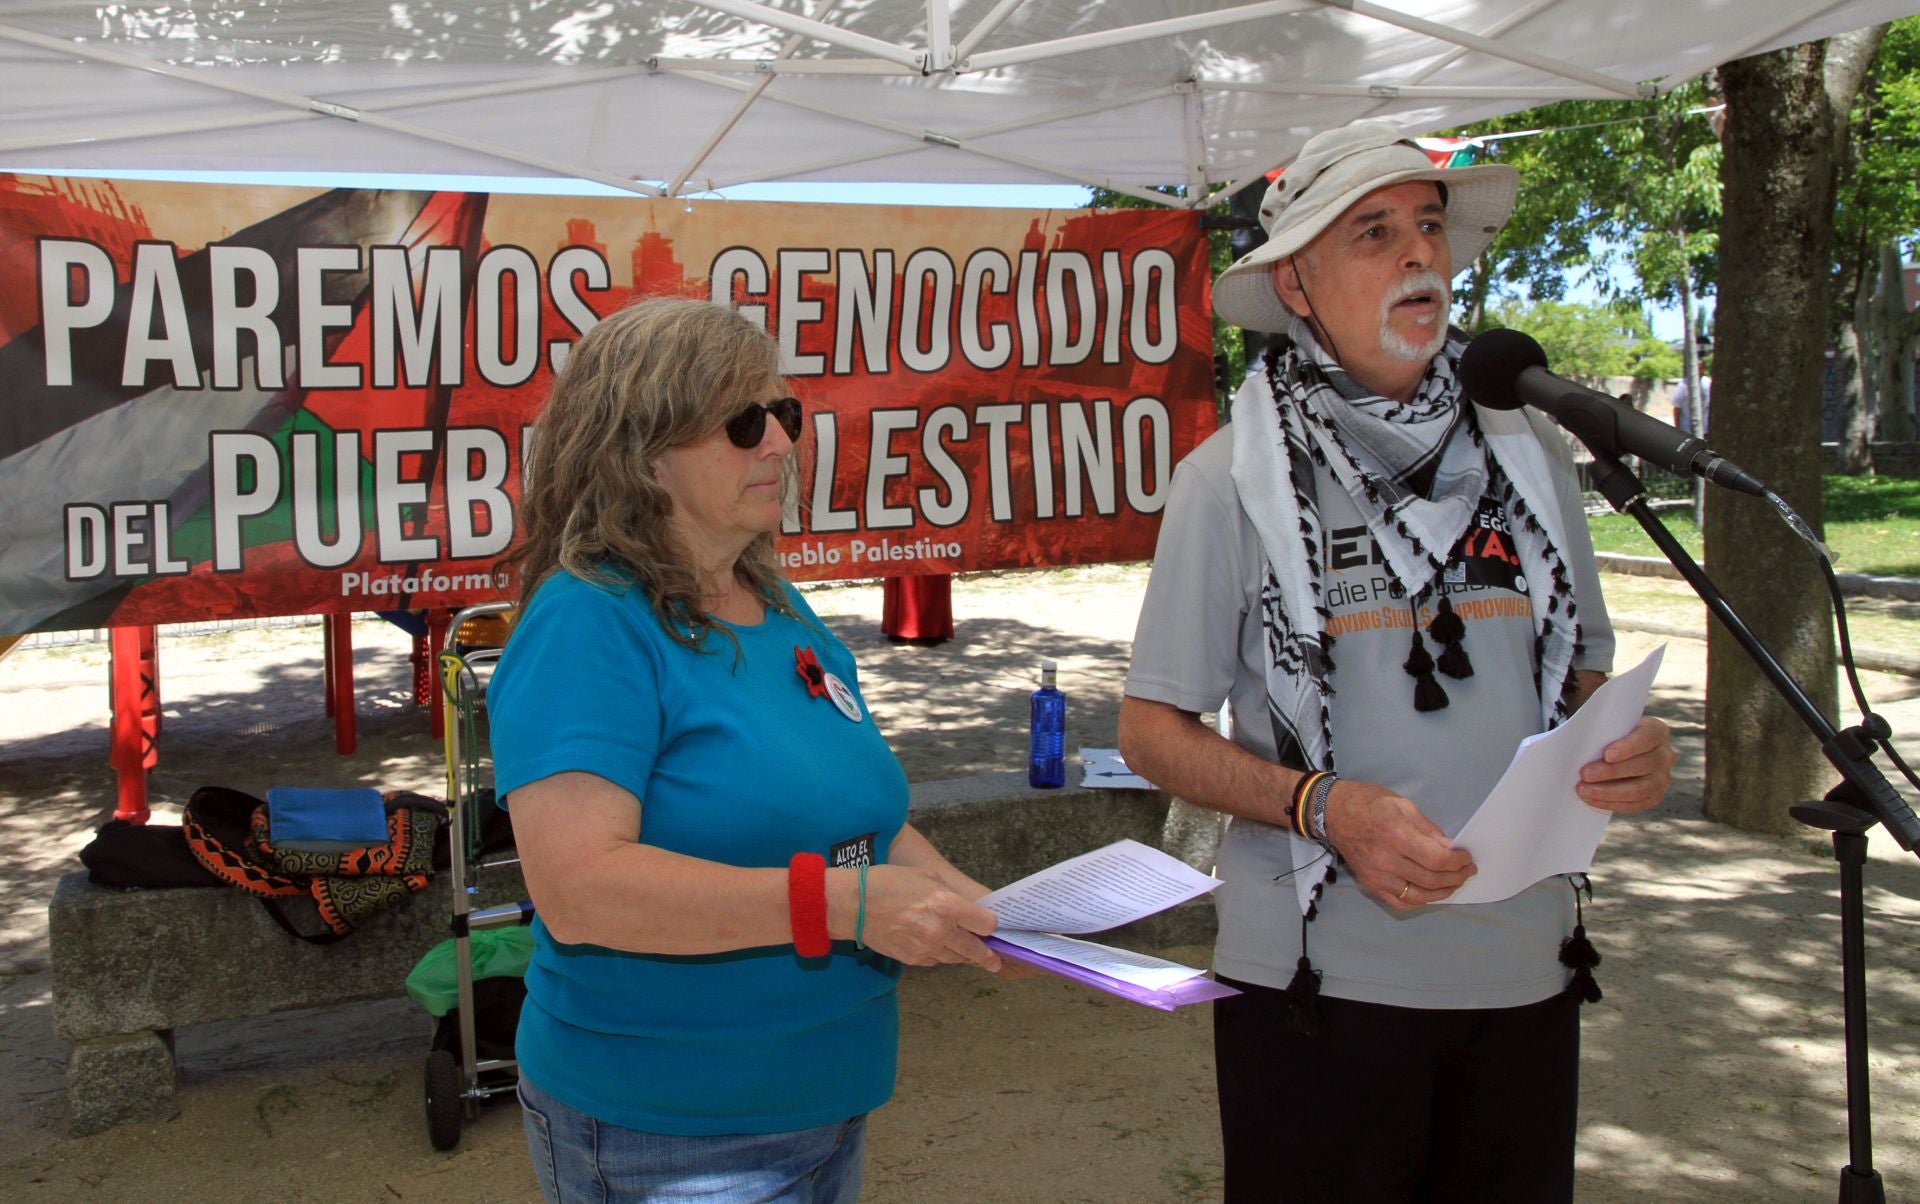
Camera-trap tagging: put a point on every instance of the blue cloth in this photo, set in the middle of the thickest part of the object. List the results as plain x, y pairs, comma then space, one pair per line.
309, 813
732, 761
576, 1157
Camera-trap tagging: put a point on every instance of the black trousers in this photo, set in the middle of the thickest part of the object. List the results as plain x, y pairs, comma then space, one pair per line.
1391, 1104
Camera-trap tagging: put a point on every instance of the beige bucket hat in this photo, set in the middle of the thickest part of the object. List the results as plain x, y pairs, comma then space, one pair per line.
1334, 170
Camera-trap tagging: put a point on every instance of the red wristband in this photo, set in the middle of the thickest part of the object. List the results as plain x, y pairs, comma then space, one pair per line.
807, 904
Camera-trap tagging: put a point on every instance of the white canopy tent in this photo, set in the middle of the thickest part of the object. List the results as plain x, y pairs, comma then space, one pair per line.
685, 96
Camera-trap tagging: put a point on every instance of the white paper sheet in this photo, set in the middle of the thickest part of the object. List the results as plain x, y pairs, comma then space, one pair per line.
1140, 969
1106, 769
1533, 826
1111, 886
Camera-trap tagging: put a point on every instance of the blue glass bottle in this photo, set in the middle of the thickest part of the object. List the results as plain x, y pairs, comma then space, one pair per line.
1046, 750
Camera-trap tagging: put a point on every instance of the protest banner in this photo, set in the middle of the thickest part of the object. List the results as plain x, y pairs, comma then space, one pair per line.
227, 401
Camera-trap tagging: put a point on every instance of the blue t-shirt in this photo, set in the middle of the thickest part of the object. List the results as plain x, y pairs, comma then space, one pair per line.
733, 761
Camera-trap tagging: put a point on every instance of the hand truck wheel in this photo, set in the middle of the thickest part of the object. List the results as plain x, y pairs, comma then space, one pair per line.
443, 1099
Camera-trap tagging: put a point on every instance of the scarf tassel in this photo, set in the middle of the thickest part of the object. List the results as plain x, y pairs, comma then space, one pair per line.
1303, 1000
1578, 954
1427, 693
1449, 630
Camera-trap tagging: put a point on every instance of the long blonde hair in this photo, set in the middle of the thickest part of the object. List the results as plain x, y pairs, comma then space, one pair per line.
659, 374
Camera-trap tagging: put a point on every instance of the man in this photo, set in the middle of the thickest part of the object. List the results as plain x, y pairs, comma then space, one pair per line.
1358, 534
1683, 405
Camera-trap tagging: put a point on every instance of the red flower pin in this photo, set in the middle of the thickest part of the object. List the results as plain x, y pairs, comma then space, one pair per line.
808, 666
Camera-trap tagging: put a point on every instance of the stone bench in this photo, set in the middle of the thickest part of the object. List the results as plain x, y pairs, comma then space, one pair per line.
130, 967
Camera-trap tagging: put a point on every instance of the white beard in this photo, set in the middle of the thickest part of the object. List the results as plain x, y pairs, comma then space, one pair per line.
1424, 281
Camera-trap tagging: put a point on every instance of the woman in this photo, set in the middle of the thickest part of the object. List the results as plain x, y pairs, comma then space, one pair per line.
682, 746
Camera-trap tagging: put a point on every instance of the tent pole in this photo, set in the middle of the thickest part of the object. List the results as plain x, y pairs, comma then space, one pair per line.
311, 106
680, 65
1486, 46
923, 136
1144, 32
739, 110
1492, 31
573, 79
939, 37
1741, 48
984, 30
819, 31
1386, 91
1195, 128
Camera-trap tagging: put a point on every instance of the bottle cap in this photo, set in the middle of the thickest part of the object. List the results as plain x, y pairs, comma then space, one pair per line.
1048, 666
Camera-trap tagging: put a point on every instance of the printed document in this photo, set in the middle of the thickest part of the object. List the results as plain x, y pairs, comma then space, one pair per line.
1106, 888
1533, 825
1123, 882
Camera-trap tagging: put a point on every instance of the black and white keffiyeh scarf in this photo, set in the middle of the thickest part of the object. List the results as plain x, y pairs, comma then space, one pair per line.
1417, 471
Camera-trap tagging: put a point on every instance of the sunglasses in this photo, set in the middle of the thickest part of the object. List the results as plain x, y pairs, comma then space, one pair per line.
749, 426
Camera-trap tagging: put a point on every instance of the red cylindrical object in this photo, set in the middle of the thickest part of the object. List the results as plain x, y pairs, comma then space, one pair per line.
917, 608
134, 693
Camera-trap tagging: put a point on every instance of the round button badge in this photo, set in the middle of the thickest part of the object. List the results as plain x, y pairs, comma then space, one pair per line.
843, 698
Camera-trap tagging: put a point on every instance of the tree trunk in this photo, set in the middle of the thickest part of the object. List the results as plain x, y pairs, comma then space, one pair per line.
1889, 327
1690, 375
1689, 329
1776, 234
1897, 418
1896, 415
1474, 314
1852, 363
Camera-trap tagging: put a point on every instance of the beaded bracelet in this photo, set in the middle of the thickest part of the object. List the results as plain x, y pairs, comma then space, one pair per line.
807, 904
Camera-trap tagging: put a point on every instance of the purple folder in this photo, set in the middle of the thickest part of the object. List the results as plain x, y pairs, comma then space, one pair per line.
1198, 989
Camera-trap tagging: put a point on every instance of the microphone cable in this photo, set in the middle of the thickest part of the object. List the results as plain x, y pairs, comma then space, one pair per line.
1872, 726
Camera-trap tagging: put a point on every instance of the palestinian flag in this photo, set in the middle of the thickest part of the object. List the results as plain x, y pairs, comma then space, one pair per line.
134, 357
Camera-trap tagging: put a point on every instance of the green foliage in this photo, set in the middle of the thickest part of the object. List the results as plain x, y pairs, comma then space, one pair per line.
1876, 201
1614, 190
1872, 525
1229, 349
1592, 340
1649, 358
1606, 185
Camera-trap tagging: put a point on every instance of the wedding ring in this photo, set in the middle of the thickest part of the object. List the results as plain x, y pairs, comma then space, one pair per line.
1404, 890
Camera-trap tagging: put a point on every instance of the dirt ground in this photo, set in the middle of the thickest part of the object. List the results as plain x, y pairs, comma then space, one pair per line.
1712, 1068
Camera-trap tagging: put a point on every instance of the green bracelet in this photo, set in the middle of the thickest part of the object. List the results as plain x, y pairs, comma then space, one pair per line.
860, 920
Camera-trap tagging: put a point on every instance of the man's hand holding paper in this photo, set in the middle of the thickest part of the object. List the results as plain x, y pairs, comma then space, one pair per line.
1548, 812
1633, 772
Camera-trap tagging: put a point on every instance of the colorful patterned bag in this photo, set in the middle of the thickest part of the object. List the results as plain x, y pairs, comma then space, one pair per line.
228, 832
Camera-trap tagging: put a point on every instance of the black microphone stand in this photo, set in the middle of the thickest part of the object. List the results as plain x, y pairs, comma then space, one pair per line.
1848, 811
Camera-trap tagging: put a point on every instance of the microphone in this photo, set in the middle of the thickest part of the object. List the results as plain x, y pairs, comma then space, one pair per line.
1505, 369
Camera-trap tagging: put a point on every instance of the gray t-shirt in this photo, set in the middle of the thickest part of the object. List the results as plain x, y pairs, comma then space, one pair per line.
1200, 642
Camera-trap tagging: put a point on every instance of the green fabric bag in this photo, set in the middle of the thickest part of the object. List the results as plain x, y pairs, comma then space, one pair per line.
434, 983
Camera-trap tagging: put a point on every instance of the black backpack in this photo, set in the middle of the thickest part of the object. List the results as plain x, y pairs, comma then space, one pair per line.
128, 856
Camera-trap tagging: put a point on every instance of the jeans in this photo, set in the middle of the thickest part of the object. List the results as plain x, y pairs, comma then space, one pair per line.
579, 1159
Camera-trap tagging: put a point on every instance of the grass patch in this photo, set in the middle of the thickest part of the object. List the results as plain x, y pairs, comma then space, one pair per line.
1873, 527
1184, 1181
1884, 624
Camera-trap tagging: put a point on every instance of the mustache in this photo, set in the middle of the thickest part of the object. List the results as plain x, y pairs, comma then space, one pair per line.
1426, 280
